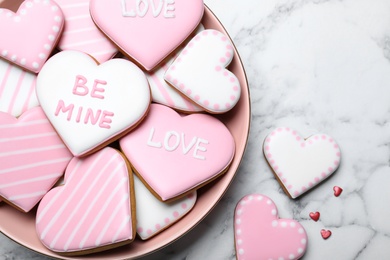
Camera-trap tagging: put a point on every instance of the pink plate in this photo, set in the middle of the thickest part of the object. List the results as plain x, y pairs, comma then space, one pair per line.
20, 227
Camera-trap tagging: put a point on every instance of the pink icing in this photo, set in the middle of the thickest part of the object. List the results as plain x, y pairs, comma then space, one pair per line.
304, 162
137, 26
92, 209
80, 32
32, 158
17, 89
185, 154
260, 234
34, 31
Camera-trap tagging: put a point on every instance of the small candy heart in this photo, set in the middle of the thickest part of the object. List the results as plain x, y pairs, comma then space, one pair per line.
337, 191
315, 216
325, 233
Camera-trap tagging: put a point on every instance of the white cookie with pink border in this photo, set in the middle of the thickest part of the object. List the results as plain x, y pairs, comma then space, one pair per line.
89, 104
301, 163
80, 32
30, 34
17, 89
165, 94
260, 234
154, 216
94, 210
200, 73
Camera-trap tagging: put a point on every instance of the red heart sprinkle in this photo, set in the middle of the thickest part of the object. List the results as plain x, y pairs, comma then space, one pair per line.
325, 233
337, 190
315, 216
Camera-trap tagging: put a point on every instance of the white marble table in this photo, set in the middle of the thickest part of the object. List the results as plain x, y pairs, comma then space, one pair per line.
316, 66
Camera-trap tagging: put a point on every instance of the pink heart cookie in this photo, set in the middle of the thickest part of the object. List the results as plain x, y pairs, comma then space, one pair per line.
93, 210
17, 89
187, 152
146, 30
165, 94
89, 104
299, 163
80, 32
29, 36
153, 216
32, 158
200, 72
260, 234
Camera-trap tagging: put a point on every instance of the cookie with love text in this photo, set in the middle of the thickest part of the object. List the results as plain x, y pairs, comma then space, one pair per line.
89, 104
174, 154
300, 163
200, 73
95, 208
147, 31
30, 34
260, 234
32, 158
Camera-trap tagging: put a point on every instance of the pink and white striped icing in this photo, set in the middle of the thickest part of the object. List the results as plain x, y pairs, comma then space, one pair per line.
153, 216
32, 158
80, 32
200, 72
93, 208
29, 36
260, 234
17, 89
165, 94
299, 163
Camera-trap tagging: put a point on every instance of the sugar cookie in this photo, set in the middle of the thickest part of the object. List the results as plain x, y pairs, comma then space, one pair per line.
300, 163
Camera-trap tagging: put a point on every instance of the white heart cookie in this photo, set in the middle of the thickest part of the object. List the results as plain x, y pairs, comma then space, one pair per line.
153, 216
88, 104
299, 163
200, 72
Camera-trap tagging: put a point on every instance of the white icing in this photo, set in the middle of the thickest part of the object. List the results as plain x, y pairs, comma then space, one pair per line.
139, 8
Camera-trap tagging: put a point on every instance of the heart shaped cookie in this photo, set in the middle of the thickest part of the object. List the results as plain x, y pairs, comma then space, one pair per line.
200, 72
80, 32
29, 36
93, 211
88, 104
153, 216
187, 152
147, 30
260, 234
299, 163
17, 89
165, 94
32, 158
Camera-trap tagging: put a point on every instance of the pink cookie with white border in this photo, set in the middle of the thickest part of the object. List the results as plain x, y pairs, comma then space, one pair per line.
200, 72
32, 158
154, 216
17, 89
165, 94
91, 105
94, 210
301, 163
146, 30
186, 152
30, 34
260, 234
80, 32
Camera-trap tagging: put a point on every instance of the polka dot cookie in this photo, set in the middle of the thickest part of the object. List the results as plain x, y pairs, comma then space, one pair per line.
260, 234
299, 163
200, 73
29, 36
